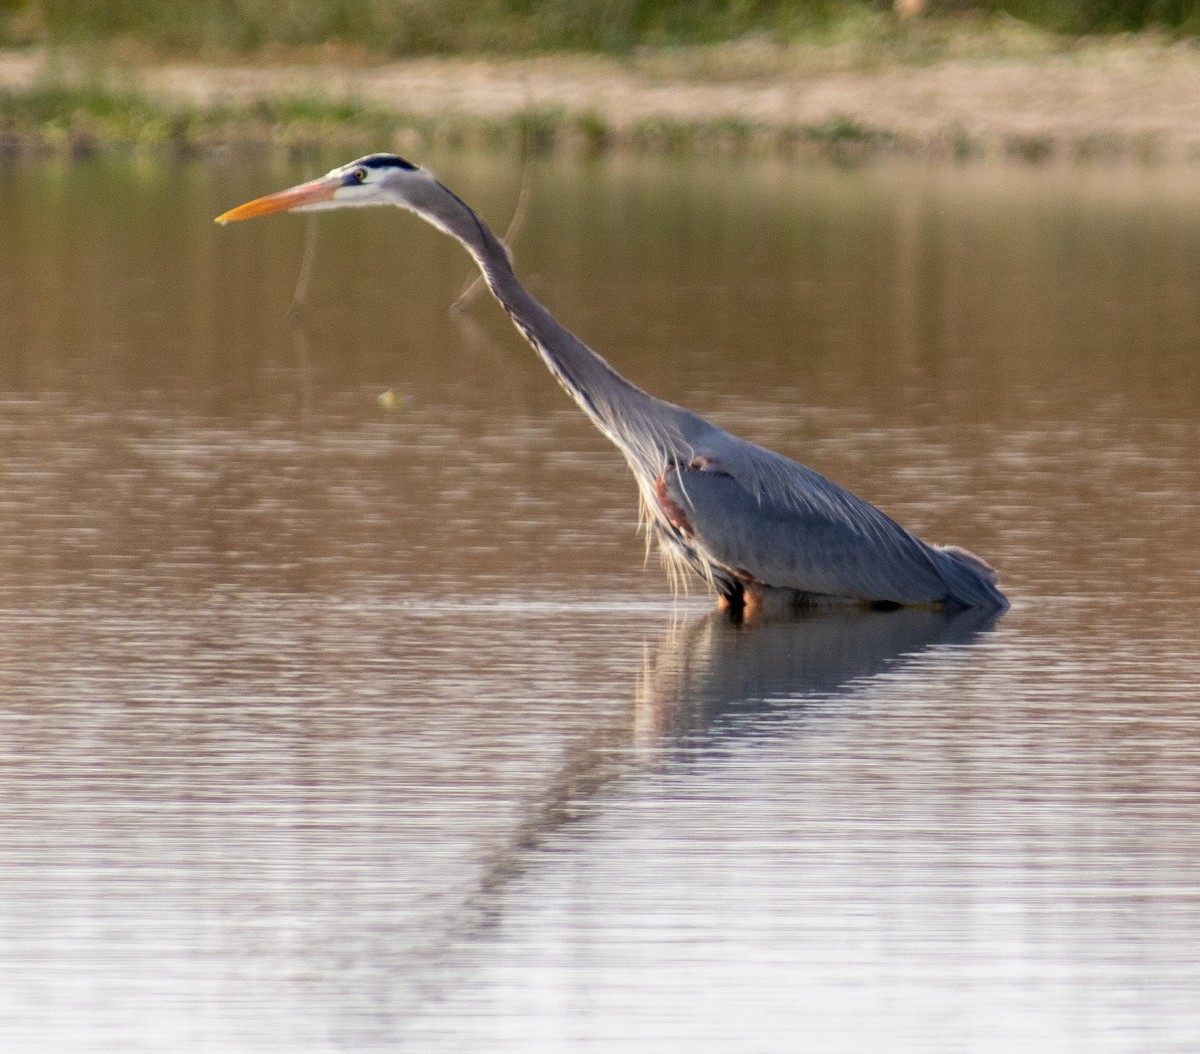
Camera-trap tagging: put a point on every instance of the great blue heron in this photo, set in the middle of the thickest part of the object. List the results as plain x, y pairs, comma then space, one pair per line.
759, 528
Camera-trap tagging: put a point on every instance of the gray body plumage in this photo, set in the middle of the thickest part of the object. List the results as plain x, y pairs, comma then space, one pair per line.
747, 520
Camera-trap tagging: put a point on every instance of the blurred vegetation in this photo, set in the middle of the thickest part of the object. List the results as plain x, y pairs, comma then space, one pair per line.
78, 121
424, 27
81, 118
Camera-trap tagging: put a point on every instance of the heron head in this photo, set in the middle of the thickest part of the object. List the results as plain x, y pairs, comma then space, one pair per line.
377, 179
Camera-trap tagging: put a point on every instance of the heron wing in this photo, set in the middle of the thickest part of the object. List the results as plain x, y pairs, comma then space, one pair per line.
784, 525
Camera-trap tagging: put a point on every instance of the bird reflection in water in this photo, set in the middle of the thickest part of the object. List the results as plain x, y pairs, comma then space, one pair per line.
707, 682
706, 671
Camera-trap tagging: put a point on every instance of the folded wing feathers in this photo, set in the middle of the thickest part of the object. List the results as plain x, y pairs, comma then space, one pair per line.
789, 526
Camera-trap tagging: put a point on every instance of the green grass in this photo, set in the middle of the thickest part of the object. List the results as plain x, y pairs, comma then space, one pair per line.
81, 120
396, 28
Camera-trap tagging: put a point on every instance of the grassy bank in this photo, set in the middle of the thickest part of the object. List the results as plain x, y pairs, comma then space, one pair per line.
953, 89
77, 122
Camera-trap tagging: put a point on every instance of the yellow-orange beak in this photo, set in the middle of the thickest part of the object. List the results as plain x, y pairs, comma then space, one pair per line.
305, 194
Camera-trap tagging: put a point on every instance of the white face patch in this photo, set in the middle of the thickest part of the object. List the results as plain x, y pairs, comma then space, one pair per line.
356, 194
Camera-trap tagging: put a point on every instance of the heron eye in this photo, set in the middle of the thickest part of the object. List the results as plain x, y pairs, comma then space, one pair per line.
360, 175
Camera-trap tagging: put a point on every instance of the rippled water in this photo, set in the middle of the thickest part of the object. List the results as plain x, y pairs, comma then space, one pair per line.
339, 722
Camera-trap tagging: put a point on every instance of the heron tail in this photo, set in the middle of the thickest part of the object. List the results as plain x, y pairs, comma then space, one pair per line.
971, 581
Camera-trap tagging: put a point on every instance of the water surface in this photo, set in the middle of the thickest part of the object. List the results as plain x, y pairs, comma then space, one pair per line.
333, 722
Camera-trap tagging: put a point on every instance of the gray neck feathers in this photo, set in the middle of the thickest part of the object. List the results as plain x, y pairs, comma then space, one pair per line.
646, 430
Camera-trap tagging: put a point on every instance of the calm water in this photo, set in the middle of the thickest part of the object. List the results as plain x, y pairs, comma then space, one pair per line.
336, 723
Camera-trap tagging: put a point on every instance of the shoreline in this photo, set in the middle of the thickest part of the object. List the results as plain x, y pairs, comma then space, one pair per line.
1124, 100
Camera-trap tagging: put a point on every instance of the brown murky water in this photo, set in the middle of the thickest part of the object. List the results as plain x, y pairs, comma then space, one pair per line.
332, 722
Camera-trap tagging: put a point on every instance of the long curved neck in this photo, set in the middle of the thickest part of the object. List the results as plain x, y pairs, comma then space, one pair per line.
646, 429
